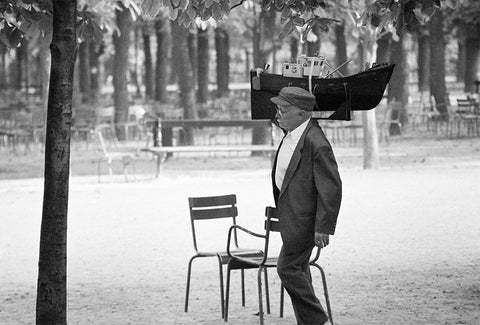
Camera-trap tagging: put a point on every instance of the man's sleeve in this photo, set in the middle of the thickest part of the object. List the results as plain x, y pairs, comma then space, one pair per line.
329, 188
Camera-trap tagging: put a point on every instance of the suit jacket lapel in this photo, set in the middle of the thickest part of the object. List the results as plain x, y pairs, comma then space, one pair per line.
297, 154
276, 190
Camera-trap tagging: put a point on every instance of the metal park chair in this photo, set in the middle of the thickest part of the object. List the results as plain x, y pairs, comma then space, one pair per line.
466, 113
389, 120
263, 262
126, 158
209, 210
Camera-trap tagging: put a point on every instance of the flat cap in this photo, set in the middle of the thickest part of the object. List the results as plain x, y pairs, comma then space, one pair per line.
295, 96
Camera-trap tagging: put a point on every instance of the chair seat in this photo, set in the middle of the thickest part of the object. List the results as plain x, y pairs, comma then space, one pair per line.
243, 252
251, 262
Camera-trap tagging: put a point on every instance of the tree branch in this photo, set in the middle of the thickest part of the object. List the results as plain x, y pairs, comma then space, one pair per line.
238, 4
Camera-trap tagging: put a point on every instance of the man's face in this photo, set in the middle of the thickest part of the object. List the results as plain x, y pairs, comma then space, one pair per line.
289, 117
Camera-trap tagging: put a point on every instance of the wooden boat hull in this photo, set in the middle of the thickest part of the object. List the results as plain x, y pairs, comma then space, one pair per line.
365, 91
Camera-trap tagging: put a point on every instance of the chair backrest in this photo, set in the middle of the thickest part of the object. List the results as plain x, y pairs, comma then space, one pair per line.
393, 111
465, 105
101, 141
212, 207
272, 224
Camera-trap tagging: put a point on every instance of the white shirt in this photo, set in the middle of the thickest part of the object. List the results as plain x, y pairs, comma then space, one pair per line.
285, 153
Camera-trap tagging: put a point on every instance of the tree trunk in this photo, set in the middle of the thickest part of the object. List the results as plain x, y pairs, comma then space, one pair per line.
462, 57
423, 59
384, 48
185, 77
203, 62
222, 47
161, 31
313, 48
472, 56
293, 48
95, 52
134, 74
20, 61
51, 305
261, 134
398, 90
120, 67
193, 53
247, 63
370, 136
149, 81
341, 46
84, 70
44, 71
77, 94
259, 59
3, 67
438, 86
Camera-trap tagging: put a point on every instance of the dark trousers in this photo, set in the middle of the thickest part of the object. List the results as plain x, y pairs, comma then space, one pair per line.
294, 271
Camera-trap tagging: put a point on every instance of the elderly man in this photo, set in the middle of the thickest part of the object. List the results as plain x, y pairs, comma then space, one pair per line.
307, 191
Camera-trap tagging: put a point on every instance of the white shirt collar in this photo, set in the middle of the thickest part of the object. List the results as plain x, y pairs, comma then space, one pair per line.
298, 131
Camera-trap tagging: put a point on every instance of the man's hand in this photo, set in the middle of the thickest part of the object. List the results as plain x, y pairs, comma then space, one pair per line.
321, 240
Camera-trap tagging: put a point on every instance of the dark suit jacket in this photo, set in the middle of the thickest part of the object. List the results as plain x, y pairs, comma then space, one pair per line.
309, 200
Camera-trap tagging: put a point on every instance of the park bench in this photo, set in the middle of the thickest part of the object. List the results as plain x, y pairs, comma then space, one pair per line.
161, 152
165, 127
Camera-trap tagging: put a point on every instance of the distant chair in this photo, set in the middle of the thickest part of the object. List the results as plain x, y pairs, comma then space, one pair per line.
83, 124
335, 130
466, 113
127, 159
390, 120
104, 120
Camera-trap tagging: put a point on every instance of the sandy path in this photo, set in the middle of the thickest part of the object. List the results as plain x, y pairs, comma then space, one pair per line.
407, 249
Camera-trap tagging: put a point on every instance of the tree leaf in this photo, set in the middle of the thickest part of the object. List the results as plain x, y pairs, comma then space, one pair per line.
97, 31
287, 29
208, 3
266, 4
15, 37
183, 16
32, 32
191, 12
173, 14
286, 12
183, 4
206, 14
217, 13
225, 6
279, 5
297, 21
150, 8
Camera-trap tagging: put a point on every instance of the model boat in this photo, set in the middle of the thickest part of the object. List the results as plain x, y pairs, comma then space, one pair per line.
335, 97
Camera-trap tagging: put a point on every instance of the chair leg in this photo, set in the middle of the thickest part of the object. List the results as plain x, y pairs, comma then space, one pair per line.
110, 170
125, 171
189, 272
98, 169
243, 287
282, 295
227, 294
260, 302
222, 298
267, 294
325, 291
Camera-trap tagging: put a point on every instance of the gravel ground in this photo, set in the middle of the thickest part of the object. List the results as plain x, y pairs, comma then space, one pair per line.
406, 250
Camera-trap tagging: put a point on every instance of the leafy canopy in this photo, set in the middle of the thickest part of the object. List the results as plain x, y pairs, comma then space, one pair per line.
33, 18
